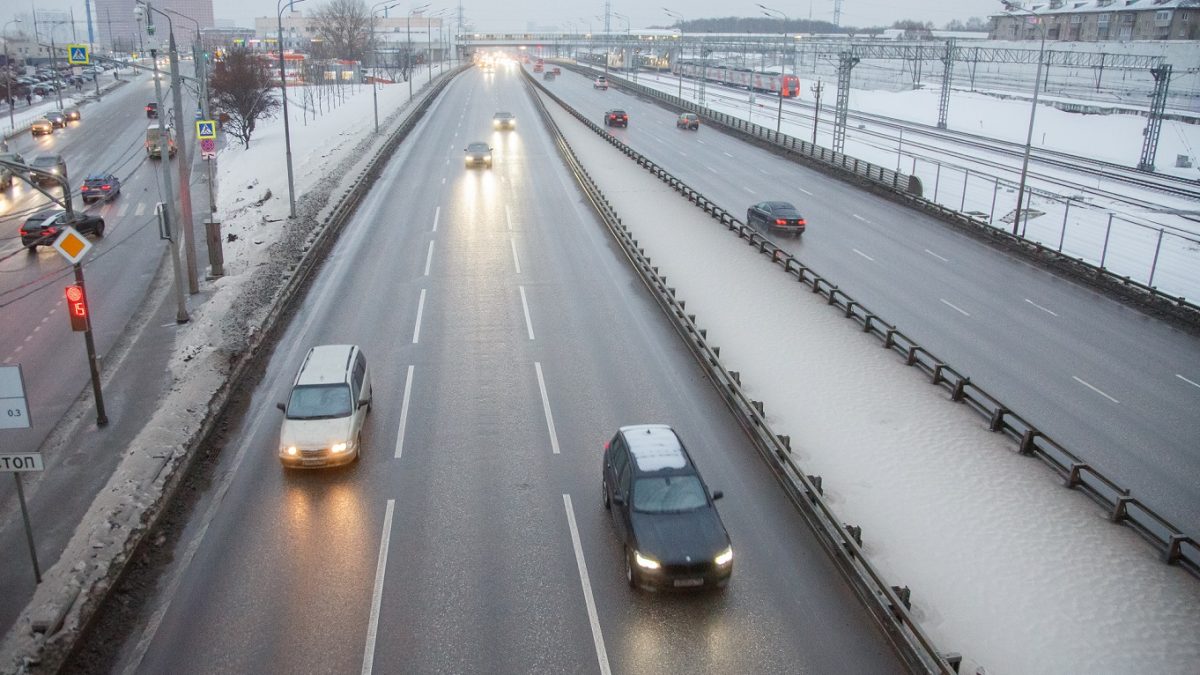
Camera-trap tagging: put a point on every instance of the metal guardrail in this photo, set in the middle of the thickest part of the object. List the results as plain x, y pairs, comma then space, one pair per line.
1175, 547
888, 604
908, 190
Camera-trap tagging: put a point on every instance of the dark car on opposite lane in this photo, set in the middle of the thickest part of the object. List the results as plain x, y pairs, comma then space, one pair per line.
48, 166
688, 121
57, 118
99, 187
152, 110
778, 216
42, 228
663, 512
616, 118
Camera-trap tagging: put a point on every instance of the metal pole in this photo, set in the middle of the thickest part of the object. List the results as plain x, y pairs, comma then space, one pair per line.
1107, 232
1037, 80
287, 132
1062, 235
11, 103
101, 417
181, 313
1154, 263
966, 179
995, 191
54, 65
37, 572
185, 168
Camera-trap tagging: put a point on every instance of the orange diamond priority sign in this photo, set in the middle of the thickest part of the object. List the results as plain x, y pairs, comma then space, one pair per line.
72, 245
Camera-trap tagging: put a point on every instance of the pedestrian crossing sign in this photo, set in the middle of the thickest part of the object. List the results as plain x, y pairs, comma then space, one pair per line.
206, 129
77, 55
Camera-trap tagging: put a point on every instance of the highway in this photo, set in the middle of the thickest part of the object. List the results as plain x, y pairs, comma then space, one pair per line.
35, 330
507, 340
1116, 387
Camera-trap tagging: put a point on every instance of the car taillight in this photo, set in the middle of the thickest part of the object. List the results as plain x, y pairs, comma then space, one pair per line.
780, 221
800, 222
83, 189
105, 187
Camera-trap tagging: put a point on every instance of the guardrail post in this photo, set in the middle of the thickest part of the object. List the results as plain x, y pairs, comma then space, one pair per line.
758, 405
1027, 438
996, 423
960, 389
816, 483
1074, 475
905, 595
855, 533
1120, 510
736, 376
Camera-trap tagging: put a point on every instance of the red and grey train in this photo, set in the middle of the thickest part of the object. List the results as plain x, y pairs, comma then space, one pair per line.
774, 83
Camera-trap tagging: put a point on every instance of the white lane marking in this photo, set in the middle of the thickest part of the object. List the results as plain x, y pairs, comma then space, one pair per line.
726, 154
140, 210
8, 359
712, 169
437, 213
508, 216
29, 337
749, 190
1194, 384
546, 407
804, 191
1040, 307
451, 146
377, 594
764, 172
937, 256
428, 258
525, 306
1094, 389
683, 153
858, 217
944, 302
18, 349
420, 310
403, 413
516, 260
588, 600
701, 142
443, 181
123, 210
863, 254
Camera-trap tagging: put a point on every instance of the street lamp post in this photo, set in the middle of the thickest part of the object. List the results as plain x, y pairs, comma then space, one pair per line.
287, 134
767, 11
408, 37
1037, 81
429, 39
385, 6
679, 62
8, 64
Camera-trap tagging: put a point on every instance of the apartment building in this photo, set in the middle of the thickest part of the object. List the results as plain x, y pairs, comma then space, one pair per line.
1100, 21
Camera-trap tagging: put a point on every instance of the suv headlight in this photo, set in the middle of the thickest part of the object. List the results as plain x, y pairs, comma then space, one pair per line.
724, 557
338, 448
645, 562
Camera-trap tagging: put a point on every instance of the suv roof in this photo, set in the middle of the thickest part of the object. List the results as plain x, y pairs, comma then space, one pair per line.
46, 160
325, 364
503, 115
655, 447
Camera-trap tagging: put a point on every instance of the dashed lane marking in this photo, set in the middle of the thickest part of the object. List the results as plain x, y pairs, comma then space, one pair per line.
1094, 389
863, 254
1040, 307
937, 256
420, 311
404, 413
377, 593
525, 307
546, 407
955, 308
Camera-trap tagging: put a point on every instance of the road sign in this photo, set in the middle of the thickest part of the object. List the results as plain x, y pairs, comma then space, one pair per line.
21, 462
77, 55
14, 409
72, 245
206, 129
208, 148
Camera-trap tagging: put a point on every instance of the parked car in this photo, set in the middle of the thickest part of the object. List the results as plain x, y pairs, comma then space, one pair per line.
688, 121
57, 118
48, 167
600, 83
41, 126
326, 408
8, 174
99, 187
663, 512
504, 120
72, 114
780, 216
152, 110
41, 229
616, 118
478, 153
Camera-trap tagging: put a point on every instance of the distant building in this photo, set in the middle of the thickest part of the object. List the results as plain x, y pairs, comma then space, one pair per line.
118, 30
391, 33
1101, 20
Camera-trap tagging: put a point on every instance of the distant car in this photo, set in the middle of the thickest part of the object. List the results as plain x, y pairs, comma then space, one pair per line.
600, 83
504, 120
548, 76
152, 110
556, 70
41, 229
663, 512
99, 187
616, 118
8, 174
478, 153
688, 121
72, 114
57, 118
44, 89
41, 126
48, 167
781, 216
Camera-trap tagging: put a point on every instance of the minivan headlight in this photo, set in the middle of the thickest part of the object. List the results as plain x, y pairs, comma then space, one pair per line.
291, 450
338, 447
724, 557
645, 562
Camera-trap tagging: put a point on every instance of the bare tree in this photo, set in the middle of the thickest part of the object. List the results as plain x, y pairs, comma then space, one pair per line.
243, 93
344, 28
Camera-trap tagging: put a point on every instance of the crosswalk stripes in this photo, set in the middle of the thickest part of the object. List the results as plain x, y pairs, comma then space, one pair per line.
141, 209
121, 211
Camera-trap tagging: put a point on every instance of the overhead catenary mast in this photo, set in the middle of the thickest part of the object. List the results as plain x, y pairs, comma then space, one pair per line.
837, 13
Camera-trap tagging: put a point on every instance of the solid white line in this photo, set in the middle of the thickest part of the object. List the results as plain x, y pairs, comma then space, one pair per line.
937, 256
437, 213
507, 216
516, 260
403, 413
1094, 389
863, 254
957, 309
1187, 380
420, 310
1040, 307
859, 217
377, 595
593, 618
525, 306
546, 407
726, 154
428, 258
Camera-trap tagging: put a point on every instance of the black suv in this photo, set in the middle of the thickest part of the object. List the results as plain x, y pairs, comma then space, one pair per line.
99, 186
616, 118
48, 167
42, 228
663, 512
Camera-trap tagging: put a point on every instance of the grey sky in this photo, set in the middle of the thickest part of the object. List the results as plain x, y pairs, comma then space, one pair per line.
519, 15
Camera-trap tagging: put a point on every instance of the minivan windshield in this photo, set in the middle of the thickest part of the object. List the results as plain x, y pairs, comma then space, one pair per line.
667, 494
319, 401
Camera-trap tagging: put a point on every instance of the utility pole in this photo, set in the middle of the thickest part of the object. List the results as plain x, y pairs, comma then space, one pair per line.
185, 169
817, 110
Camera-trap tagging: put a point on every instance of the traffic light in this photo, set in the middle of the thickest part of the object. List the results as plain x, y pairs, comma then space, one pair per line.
77, 308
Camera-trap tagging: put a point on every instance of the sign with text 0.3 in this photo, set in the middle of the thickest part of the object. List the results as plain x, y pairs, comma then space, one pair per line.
14, 408
77, 55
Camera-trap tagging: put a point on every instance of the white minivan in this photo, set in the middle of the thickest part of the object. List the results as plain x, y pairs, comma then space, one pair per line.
324, 415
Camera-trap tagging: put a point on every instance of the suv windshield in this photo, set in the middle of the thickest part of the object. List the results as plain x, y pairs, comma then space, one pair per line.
319, 401
667, 494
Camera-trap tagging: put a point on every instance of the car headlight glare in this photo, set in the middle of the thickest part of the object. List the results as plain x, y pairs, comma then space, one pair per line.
291, 450
724, 557
338, 447
645, 562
